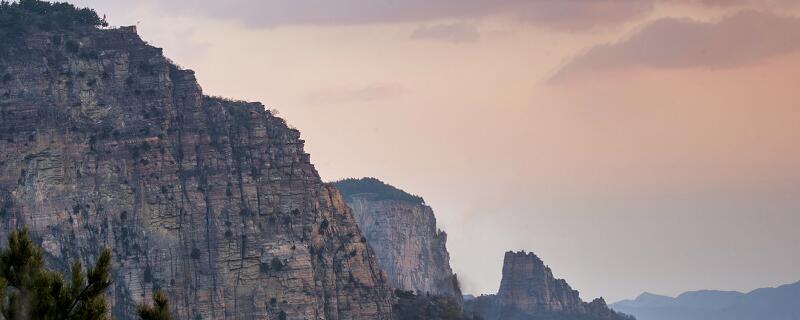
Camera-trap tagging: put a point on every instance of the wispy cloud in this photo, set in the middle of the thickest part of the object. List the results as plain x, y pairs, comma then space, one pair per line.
452, 32
582, 15
739, 39
570, 15
369, 93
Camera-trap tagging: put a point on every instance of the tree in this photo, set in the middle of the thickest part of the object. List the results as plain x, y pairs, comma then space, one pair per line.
410, 306
29, 291
159, 310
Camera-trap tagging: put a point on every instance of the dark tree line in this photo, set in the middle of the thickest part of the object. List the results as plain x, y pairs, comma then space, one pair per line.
378, 190
410, 306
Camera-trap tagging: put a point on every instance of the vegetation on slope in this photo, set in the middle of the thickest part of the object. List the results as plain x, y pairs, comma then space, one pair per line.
424, 307
375, 189
16, 18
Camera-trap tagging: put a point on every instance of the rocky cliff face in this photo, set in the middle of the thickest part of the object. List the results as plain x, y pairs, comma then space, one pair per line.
402, 231
104, 142
529, 285
528, 290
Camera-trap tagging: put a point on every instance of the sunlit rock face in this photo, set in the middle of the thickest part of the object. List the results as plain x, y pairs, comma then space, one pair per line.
105, 142
528, 290
402, 231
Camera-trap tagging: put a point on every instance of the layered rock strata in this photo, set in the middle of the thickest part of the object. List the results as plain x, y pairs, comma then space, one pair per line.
402, 230
105, 142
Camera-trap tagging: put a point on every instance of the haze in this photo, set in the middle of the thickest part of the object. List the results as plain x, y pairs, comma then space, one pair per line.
633, 145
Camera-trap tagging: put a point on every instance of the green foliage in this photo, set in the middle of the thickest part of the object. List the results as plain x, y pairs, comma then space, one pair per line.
17, 18
410, 306
29, 291
274, 265
375, 190
158, 311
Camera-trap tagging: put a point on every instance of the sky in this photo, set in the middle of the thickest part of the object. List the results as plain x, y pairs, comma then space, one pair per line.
642, 145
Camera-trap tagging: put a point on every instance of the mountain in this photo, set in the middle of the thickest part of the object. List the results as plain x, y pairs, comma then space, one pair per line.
402, 231
529, 291
781, 303
105, 142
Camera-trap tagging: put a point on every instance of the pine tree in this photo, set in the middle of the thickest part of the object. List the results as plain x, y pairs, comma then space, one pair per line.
29, 291
159, 310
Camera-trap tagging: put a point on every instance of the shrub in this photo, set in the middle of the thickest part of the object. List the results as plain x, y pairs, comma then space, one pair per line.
410, 306
195, 254
276, 264
148, 274
73, 46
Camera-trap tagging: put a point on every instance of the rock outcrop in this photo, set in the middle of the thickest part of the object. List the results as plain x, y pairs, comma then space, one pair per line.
105, 142
402, 231
528, 290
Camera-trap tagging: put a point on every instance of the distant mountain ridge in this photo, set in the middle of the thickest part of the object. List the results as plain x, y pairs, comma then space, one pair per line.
780, 303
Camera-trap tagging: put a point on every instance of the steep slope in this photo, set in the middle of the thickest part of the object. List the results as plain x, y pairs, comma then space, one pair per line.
104, 142
781, 303
402, 231
528, 290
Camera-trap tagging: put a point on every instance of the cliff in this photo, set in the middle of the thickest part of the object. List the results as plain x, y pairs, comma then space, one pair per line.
402, 231
105, 142
528, 290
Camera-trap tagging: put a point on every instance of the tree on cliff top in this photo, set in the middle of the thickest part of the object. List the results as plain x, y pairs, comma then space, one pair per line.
16, 18
29, 291
375, 189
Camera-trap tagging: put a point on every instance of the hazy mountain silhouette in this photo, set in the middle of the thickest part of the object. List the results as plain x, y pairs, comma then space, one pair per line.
781, 303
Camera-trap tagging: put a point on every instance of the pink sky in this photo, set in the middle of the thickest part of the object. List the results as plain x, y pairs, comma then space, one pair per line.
633, 145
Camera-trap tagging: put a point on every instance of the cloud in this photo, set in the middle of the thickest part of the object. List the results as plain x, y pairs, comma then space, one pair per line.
454, 32
582, 15
568, 14
370, 93
562, 15
740, 39
734, 3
